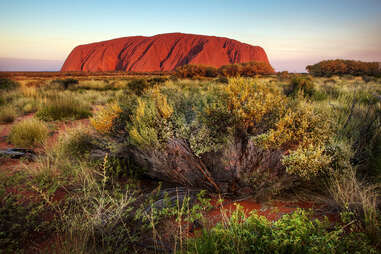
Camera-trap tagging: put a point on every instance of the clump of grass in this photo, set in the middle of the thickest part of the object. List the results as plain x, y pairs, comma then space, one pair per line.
301, 84
7, 115
99, 85
61, 107
75, 142
64, 83
8, 84
28, 133
360, 199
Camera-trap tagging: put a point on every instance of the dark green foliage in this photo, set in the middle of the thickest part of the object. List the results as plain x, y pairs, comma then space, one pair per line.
300, 84
222, 79
123, 167
192, 70
65, 83
344, 67
138, 85
295, 233
157, 80
249, 69
7, 84
19, 220
59, 107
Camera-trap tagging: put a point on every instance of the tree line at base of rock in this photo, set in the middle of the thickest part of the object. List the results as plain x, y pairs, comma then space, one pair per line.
248, 69
329, 68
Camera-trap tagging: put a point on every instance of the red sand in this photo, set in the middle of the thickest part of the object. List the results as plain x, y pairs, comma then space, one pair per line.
163, 52
272, 210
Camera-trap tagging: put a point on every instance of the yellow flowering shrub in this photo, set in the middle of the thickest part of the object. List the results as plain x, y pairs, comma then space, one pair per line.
300, 126
306, 162
151, 113
103, 119
251, 101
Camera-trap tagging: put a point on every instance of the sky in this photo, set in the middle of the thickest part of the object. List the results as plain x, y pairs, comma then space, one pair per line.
40, 34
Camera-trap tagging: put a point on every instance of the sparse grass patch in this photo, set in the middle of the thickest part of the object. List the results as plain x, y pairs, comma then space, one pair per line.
7, 114
7, 84
75, 142
28, 133
60, 107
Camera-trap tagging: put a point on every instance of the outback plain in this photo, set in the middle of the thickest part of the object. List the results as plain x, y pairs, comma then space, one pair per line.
236, 159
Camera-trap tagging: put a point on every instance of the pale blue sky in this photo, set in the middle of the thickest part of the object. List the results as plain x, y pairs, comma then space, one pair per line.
293, 33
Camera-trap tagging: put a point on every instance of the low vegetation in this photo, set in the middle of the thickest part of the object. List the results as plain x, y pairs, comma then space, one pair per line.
248, 69
58, 107
7, 114
345, 67
28, 133
143, 176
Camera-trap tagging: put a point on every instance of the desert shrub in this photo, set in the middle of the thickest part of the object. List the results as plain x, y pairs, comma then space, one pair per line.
138, 85
7, 84
104, 117
26, 104
368, 79
192, 70
295, 233
307, 162
248, 69
98, 85
307, 133
344, 67
284, 75
19, 220
319, 95
64, 83
359, 199
360, 125
101, 219
31, 92
59, 107
150, 112
28, 133
300, 84
76, 142
222, 79
300, 125
7, 114
250, 101
157, 80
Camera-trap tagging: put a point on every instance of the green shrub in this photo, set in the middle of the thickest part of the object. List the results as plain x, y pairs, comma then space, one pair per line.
295, 233
7, 84
7, 114
222, 79
192, 70
61, 107
28, 133
301, 84
65, 83
18, 220
344, 67
249, 69
76, 142
138, 86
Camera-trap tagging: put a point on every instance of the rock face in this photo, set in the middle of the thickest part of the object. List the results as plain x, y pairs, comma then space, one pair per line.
163, 52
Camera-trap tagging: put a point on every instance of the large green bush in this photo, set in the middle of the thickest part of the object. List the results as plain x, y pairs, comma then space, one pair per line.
7, 84
295, 233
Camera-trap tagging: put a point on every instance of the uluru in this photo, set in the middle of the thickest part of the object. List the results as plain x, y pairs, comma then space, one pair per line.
163, 52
